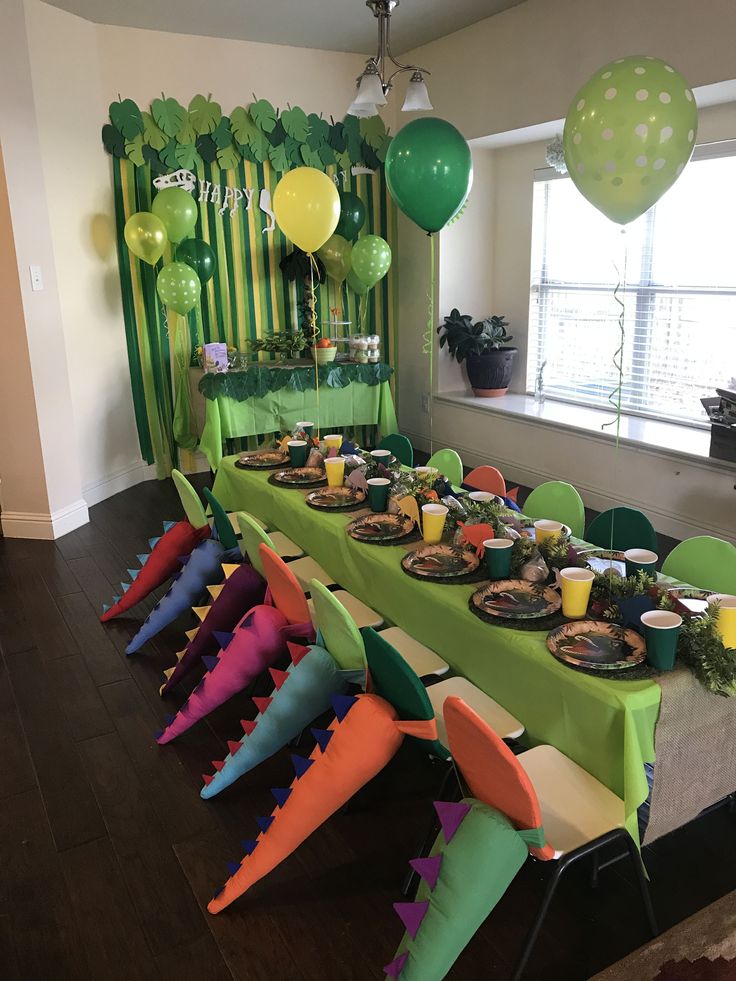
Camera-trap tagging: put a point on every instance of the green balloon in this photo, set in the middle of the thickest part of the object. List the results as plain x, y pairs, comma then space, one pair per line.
199, 255
352, 216
356, 285
178, 287
335, 254
177, 209
628, 135
371, 259
429, 171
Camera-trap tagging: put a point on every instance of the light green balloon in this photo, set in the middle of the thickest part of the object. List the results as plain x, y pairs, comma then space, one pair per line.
177, 209
335, 255
356, 285
371, 259
178, 287
629, 133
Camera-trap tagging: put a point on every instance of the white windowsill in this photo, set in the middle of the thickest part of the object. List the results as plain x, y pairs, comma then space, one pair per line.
668, 438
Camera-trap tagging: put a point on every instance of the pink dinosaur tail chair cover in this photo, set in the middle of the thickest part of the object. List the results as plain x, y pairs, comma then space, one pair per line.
259, 639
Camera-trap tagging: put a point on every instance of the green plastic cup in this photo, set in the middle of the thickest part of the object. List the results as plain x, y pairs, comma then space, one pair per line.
661, 632
297, 452
305, 427
498, 557
641, 560
378, 493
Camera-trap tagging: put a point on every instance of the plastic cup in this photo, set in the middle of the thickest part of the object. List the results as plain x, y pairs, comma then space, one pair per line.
726, 618
641, 560
306, 427
427, 472
481, 496
433, 522
334, 441
381, 456
335, 470
378, 493
297, 452
547, 530
498, 557
661, 631
575, 586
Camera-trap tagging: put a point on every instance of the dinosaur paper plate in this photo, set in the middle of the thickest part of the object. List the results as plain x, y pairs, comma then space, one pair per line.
262, 460
597, 645
299, 476
516, 599
336, 498
380, 527
440, 562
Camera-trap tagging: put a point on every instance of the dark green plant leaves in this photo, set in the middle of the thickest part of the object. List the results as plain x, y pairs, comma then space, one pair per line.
336, 138
263, 115
153, 160
463, 337
373, 131
187, 156
204, 114
221, 134
206, 148
327, 155
310, 158
295, 123
319, 131
126, 117
279, 158
293, 151
168, 155
168, 115
277, 134
113, 140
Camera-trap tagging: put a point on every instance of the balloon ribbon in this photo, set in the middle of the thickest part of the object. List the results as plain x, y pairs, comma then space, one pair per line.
428, 337
314, 331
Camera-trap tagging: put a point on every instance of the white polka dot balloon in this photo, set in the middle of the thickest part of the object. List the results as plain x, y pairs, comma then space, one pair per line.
178, 287
370, 259
629, 133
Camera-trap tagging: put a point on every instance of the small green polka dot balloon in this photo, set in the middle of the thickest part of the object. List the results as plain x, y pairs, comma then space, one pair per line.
370, 259
629, 133
178, 287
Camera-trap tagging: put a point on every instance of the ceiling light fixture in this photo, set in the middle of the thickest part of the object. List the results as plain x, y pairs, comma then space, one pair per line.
374, 84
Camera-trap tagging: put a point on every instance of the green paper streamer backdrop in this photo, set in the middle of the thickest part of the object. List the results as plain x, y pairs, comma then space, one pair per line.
247, 297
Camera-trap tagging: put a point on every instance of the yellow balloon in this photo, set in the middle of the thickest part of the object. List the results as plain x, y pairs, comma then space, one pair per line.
307, 207
145, 236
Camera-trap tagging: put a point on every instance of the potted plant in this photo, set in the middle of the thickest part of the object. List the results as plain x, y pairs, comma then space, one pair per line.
484, 348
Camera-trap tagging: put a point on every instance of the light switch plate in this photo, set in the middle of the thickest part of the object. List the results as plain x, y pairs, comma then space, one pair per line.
36, 278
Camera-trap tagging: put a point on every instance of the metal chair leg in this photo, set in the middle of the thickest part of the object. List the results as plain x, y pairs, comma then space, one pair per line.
531, 938
642, 883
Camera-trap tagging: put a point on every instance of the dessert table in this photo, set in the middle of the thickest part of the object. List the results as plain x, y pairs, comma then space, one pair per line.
268, 398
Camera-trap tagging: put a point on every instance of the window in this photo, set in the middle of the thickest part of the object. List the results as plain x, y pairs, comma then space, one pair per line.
677, 269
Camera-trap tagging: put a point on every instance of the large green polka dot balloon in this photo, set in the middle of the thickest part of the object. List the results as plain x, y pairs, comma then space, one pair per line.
629, 133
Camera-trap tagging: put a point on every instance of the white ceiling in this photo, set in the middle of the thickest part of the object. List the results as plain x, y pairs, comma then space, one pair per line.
337, 25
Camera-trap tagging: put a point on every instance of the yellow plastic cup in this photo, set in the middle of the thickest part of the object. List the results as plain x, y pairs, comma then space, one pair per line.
547, 530
433, 522
576, 585
334, 441
335, 470
726, 618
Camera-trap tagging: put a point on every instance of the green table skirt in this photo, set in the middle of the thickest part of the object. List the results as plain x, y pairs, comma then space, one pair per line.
340, 409
605, 726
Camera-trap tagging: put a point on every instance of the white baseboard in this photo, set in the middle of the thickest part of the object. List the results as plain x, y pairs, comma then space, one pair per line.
118, 480
25, 524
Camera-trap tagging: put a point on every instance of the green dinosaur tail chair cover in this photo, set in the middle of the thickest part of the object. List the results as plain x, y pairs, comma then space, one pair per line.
622, 528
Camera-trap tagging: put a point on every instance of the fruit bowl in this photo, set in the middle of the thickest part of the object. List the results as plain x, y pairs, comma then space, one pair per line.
325, 354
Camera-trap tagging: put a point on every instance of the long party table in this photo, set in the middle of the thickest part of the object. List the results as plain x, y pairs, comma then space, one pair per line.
606, 726
267, 399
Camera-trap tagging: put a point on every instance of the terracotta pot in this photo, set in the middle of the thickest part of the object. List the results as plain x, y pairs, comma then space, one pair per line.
490, 373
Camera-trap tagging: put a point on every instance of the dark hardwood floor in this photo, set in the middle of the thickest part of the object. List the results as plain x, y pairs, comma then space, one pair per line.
108, 855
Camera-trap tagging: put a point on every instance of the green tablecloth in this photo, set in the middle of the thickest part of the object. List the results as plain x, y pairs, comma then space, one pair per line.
356, 404
605, 726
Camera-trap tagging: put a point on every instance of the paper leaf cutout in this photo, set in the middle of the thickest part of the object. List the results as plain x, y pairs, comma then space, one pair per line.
295, 123
319, 132
206, 148
279, 158
408, 506
358, 480
168, 116
113, 141
126, 118
310, 157
152, 135
186, 155
187, 132
134, 150
241, 125
327, 155
204, 114
263, 115
221, 133
373, 131
229, 158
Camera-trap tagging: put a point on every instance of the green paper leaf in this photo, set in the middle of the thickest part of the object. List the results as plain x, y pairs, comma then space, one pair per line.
327, 155
153, 160
351, 127
168, 155
260, 146
277, 134
293, 151
113, 141
126, 117
263, 115
337, 138
187, 156
204, 114
152, 135
373, 131
319, 131
335, 379
245, 151
295, 123
221, 134
343, 161
228, 157
134, 150
241, 125
368, 155
382, 150
310, 158
297, 381
187, 133
279, 158
169, 115
207, 148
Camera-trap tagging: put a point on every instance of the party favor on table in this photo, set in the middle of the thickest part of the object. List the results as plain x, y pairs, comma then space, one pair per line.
605, 561
440, 562
516, 599
597, 646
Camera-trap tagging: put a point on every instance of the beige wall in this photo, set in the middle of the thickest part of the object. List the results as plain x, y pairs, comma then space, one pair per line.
72, 96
